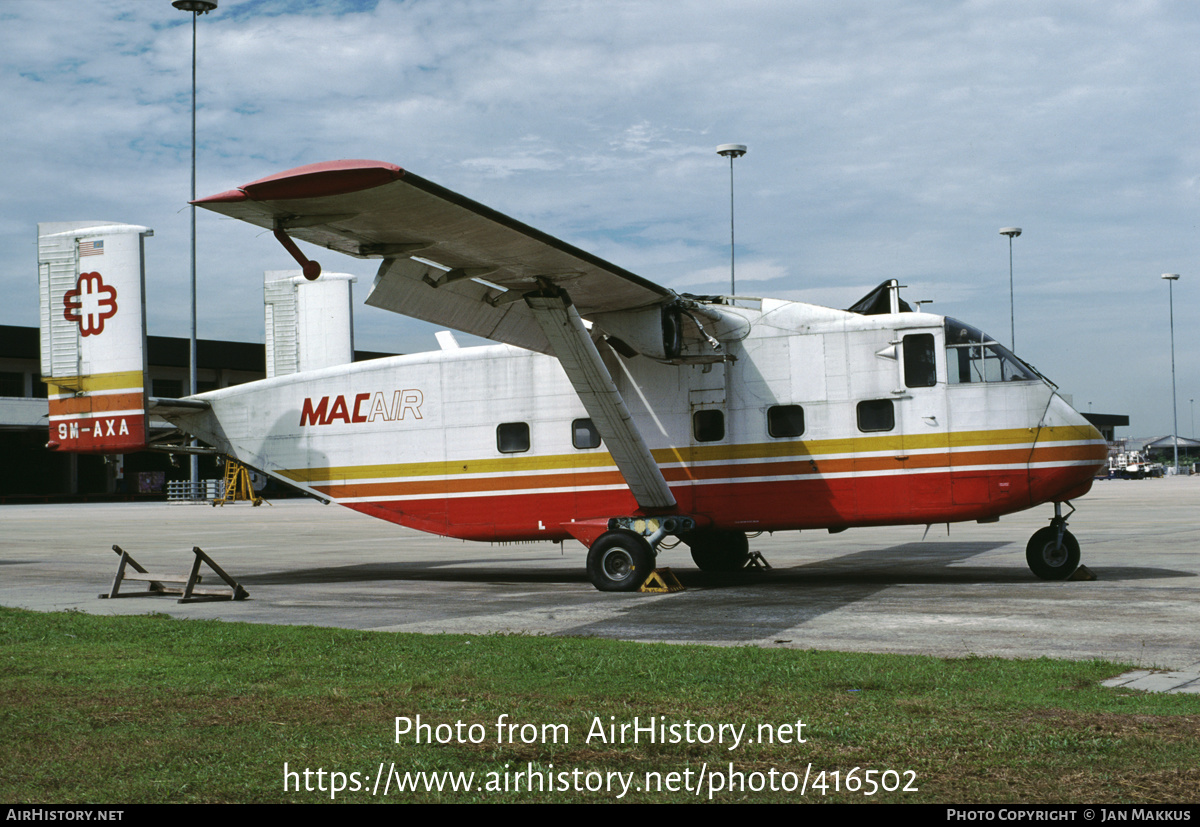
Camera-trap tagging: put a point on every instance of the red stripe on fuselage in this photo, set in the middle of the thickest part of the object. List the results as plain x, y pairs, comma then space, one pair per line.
909, 499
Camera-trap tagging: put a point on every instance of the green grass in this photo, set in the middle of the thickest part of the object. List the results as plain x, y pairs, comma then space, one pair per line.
151, 709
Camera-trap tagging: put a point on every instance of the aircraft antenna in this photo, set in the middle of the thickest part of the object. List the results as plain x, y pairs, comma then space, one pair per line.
731, 151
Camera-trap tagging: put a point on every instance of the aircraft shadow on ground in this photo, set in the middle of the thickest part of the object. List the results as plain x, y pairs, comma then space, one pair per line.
905, 564
457, 570
762, 605
767, 605
751, 605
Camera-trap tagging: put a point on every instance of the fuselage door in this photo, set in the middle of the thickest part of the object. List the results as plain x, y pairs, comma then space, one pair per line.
879, 416
710, 434
922, 421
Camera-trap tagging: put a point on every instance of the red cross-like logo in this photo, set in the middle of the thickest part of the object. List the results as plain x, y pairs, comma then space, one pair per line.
90, 303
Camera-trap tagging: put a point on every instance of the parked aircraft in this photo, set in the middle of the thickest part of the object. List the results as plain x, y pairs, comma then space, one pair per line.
613, 410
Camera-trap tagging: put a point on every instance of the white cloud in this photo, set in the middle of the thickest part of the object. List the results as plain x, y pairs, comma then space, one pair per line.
886, 140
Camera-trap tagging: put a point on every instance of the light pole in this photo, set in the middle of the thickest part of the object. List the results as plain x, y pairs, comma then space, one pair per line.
1011, 232
731, 151
196, 8
1171, 279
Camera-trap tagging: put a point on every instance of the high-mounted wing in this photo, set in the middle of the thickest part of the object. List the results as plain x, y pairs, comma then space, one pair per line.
452, 261
371, 209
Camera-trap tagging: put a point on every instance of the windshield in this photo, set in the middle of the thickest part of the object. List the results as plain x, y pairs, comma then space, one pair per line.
973, 356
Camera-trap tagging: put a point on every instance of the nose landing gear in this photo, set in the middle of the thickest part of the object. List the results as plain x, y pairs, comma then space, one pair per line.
1053, 552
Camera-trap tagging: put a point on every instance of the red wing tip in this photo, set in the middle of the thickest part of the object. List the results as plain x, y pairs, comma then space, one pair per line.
312, 181
327, 167
221, 197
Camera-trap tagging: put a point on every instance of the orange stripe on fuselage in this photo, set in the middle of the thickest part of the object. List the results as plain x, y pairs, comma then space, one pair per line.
129, 401
749, 505
426, 487
944, 461
961, 443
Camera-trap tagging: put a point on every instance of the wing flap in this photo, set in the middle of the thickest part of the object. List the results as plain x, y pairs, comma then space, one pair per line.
403, 286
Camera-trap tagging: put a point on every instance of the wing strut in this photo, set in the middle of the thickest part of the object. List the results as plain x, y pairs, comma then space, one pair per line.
577, 353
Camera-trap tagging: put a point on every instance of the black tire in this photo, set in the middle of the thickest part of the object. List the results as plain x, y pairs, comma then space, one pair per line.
619, 561
1048, 559
718, 551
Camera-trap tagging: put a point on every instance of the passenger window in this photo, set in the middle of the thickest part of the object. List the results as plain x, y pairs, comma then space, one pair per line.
708, 426
584, 434
920, 369
512, 437
876, 415
785, 421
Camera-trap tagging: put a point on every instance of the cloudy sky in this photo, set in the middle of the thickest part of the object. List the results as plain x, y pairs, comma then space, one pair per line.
886, 140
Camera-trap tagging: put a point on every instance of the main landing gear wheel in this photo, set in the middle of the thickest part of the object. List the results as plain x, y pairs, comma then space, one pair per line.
619, 561
1049, 558
718, 551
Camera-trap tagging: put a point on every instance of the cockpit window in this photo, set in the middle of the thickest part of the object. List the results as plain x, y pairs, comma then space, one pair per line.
973, 356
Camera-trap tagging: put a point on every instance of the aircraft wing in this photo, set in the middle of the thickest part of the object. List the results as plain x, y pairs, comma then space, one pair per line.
372, 209
452, 261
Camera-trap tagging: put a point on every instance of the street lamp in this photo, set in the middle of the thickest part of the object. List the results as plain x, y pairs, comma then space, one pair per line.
731, 151
1011, 232
1171, 279
196, 8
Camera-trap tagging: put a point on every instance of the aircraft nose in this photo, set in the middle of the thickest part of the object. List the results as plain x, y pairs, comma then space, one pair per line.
1067, 453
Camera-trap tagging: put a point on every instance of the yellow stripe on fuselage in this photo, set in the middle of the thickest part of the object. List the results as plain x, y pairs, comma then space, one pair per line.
122, 380
699, 453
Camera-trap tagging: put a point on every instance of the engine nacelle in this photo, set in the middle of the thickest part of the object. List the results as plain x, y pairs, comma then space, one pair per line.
655, 331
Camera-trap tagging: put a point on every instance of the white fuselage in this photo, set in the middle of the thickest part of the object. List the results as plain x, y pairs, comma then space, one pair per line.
818, 418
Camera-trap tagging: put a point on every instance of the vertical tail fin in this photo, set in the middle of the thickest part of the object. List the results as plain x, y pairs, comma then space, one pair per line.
93, 324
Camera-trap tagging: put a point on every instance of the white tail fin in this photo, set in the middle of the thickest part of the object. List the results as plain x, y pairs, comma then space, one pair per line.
93, 320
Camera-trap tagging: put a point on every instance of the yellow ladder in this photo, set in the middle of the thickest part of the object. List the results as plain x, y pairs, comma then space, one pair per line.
237, 485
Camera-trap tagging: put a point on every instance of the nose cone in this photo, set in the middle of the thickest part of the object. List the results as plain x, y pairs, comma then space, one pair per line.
1067, 454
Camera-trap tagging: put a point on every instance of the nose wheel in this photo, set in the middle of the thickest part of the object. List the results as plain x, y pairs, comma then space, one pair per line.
1053, 552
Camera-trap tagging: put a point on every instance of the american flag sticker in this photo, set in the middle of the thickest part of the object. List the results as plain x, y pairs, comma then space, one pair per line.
91, 248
